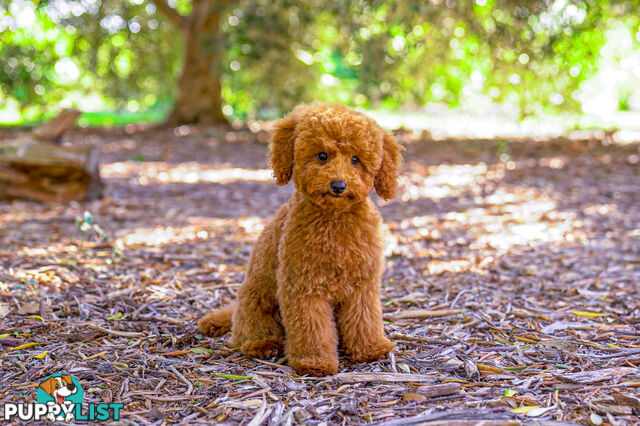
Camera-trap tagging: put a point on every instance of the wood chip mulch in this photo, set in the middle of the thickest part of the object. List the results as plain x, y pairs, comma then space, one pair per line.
512, 287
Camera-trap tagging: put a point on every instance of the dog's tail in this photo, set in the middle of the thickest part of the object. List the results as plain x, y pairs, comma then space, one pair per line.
218, 322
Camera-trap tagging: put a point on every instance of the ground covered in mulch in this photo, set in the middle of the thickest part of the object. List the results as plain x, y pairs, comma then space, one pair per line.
512, 287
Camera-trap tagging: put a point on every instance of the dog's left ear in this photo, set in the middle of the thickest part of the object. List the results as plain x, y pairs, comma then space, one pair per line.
386, 181
282, 145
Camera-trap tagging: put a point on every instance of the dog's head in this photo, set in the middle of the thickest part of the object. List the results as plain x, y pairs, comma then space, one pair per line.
59, 387
335, 155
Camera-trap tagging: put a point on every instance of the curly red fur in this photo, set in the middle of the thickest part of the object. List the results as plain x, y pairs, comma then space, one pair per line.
314, 274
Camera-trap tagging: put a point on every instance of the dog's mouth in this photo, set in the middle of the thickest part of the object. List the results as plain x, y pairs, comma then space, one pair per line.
60, 399
338, 196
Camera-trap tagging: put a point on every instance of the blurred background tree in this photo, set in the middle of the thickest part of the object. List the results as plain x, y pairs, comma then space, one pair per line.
207, 60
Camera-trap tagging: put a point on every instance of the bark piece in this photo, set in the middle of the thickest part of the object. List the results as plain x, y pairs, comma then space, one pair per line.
628, 400
587, 377
383, 377
424, 313
468, 416
413, 397
432, 391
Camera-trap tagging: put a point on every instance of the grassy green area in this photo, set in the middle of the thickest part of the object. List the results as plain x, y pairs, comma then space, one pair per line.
156, 114
121, 118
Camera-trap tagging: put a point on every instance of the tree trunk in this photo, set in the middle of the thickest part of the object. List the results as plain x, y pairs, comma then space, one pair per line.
199, 98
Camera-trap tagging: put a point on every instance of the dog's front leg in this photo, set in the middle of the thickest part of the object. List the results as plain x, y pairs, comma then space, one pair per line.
311, 338
360, 323
51, 410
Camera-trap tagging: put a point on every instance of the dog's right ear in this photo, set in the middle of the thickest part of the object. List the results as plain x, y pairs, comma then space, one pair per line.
282, 144
48, 385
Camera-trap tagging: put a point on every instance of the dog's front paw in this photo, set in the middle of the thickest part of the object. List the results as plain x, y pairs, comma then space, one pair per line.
263, 348
372, 351
317, 367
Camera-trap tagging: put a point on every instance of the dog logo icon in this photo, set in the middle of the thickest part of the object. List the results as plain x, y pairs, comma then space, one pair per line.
62, 390
60, 398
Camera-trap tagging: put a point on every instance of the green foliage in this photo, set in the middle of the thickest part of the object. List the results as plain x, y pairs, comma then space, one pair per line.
123, 55
89, 228
92, 232
99, 55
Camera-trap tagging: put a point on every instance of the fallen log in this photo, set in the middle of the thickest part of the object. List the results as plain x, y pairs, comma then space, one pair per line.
33, 167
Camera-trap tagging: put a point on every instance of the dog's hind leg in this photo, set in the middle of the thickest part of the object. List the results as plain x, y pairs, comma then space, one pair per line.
256, 331
218, 322
254, 326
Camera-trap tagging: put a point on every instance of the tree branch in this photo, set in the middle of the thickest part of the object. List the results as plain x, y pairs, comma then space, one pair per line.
170, 13
206, 13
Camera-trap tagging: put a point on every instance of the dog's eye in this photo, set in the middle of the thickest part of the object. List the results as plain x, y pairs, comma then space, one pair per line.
354, 160
322, 156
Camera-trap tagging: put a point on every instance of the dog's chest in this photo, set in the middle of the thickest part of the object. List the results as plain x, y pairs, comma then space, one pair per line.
332, 255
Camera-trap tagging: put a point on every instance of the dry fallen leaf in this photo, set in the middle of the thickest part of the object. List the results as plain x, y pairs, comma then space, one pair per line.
412, 396
29, 308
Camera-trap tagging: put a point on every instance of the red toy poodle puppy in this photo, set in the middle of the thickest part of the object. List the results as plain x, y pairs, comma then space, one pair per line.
314, 274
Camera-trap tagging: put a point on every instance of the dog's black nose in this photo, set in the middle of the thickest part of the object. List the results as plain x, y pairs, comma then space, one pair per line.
71, 386
338, 186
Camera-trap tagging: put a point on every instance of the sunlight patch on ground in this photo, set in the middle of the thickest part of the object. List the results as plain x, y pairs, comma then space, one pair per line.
453, 266
502, 216
161, 235
46, 251
199, 229
504, 236
252, 225
517, 218
161, 172
600, 209
553, 162
21, 211
437, 182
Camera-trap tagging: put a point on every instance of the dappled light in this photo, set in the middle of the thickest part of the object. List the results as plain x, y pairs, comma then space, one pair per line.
491, 277
437, 182
492, 249
159, 172
199, 230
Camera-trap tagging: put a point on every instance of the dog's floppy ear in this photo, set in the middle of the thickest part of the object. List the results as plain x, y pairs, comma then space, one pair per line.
386, 181
48, 385
282, 144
